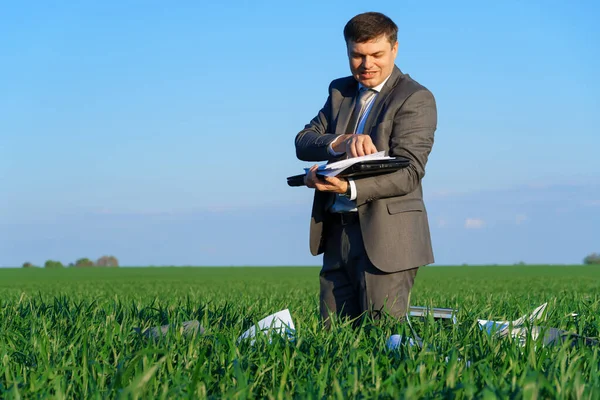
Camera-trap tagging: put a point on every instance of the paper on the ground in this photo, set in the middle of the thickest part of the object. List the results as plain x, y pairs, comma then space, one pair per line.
503, 328
535, 315
395, 341
280, 322
337, 167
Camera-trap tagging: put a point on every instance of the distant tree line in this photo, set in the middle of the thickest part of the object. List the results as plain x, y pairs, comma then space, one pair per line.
592, 259
104, 261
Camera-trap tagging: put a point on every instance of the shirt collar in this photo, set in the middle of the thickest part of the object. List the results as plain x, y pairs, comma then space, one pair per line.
378, 87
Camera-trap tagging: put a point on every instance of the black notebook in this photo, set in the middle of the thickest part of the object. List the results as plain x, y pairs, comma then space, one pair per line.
361, 169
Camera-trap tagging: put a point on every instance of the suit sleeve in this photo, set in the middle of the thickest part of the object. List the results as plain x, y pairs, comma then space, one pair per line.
313, 141
412, 137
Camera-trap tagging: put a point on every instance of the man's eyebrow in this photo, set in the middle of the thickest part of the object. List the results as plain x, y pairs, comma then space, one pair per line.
355, 53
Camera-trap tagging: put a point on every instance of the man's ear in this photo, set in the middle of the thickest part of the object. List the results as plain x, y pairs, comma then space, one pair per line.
348, 45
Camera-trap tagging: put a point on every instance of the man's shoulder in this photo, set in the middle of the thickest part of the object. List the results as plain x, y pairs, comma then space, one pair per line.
407, 85
343, 85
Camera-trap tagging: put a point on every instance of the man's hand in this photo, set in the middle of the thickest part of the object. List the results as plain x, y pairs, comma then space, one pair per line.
325, 183
355, 145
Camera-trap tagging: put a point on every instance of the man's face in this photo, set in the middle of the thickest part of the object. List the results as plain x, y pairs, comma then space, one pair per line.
373, 61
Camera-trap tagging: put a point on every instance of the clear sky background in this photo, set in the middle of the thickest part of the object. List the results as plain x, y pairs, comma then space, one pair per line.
162, 132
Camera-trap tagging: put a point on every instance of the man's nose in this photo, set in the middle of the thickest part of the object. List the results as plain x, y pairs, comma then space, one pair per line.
367, 63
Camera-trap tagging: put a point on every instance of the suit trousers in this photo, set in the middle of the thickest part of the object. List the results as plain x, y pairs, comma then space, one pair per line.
351, 286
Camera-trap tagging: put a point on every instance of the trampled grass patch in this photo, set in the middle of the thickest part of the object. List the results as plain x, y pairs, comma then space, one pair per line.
70, 334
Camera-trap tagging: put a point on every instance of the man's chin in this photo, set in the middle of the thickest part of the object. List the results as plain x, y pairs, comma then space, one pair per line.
369, 82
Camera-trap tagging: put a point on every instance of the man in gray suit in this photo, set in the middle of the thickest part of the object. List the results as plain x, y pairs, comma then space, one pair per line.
373, 231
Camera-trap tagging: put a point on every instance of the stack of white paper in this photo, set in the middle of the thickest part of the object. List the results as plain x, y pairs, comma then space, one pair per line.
337, 167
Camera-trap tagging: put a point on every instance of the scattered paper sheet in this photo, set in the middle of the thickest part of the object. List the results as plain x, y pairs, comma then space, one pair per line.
280, 322
503, 328
395, 341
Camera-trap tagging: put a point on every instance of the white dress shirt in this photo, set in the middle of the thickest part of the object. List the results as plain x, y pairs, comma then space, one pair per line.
342, 203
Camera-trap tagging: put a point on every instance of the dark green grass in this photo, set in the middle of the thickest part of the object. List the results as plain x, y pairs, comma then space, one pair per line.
69, 334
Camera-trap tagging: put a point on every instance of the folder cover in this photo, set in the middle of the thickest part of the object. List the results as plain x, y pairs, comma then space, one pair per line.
359, 169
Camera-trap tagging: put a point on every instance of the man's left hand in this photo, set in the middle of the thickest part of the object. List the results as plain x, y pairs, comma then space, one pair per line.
325, 183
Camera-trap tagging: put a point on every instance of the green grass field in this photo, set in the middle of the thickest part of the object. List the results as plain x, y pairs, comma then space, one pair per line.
69, 334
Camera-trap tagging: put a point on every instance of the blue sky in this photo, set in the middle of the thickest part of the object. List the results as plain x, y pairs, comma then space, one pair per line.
163, 133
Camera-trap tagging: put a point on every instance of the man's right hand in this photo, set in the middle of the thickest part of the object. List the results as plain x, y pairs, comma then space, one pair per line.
355, 145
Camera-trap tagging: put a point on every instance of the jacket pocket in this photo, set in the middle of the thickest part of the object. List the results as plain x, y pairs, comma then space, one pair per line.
405, 205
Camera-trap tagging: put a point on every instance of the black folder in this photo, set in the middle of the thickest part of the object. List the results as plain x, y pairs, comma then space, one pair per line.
361, 169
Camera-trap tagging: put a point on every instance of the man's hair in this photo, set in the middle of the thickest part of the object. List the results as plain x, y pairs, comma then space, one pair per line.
368, 26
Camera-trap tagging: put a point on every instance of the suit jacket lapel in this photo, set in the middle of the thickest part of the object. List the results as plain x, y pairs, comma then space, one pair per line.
380, 99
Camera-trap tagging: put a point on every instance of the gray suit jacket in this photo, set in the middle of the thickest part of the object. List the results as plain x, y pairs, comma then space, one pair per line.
392, 215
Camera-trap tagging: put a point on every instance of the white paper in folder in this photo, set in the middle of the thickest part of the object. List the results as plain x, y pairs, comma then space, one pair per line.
337, 167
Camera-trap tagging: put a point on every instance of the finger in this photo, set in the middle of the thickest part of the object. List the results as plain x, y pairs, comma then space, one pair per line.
309, 182
311, 177
332, 180
317, 177
350, 149
336, 185
372, 148
360, 148
328, 182
355, 145
324, 187
369, 146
